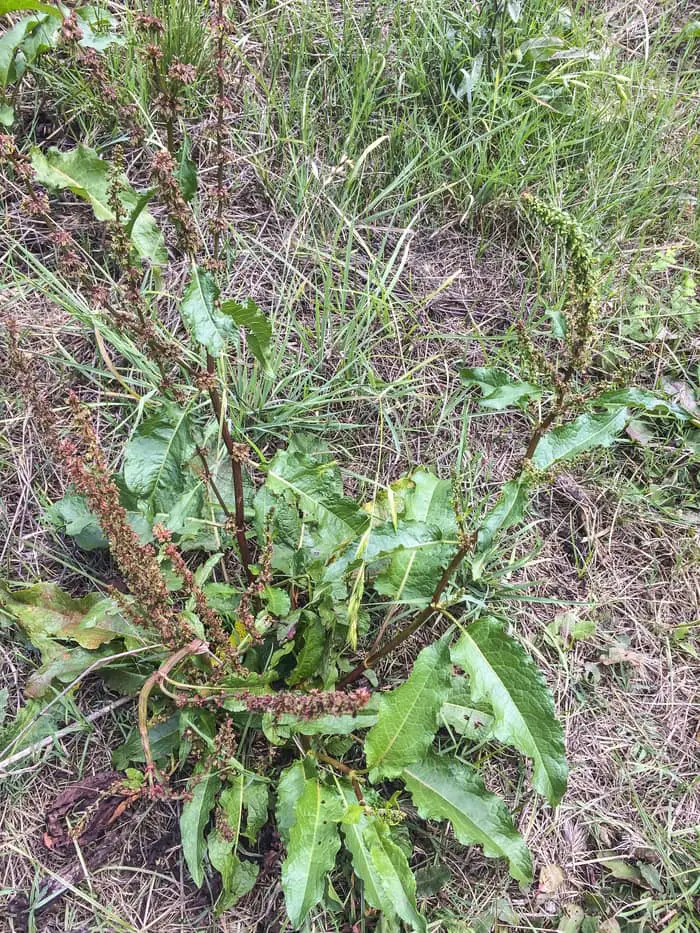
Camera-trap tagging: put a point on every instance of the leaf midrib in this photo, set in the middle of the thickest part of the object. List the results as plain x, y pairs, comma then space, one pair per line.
406, 717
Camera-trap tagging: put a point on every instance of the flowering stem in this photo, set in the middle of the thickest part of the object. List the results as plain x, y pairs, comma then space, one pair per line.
196, 646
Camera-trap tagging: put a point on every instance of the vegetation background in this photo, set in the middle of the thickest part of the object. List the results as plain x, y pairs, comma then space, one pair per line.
377, 151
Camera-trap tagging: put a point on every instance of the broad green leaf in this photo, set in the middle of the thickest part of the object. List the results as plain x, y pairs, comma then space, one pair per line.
11, 45
462, 716
317, 490
14, 6
408, 715
7, 115
289, 789
194, 819
503, 674
256, 800
288, 724
581, 435
50, 617
508, 510
389, 884
416, 555
98, 28
498, 390
83, 172
164, 738
207, 324
430, 501
155, 456
312, 848
397, 879
645, 399
237, 877
257, 327
444, 789
72, 516
312, 647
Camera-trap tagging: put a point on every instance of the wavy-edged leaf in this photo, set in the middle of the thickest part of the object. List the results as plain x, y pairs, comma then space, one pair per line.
195, 816
408, 715
644, 399
503, 674
389, 884
83, 172
14, 6
13, 56
444, 789
317, 490
581, 435
207, 324
498, 390
313, 845
155, 456
257, 327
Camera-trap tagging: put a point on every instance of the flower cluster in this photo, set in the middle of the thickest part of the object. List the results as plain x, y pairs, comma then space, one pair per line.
213, 625
309, 705
163, 174
36, 202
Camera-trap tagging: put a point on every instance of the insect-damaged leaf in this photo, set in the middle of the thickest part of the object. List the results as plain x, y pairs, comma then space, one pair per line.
83, 172
585, 433
195, 815
446, 789
203, 319
408, 716
313, 845
503, 674
389, 884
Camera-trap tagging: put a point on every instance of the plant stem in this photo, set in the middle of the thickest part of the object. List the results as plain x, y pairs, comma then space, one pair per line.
196, 646
405, 633
210, 481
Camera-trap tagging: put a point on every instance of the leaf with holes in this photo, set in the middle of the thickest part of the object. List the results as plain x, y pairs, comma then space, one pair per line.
447, 789
408, 715
502, 674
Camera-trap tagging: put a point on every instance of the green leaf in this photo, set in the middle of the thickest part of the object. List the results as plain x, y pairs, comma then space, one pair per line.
186, 170
194, 819
72, 516
498, 390
408, 716
164, 738
461, 715
10, 45
312, 646
644, 399
237, 877
316, 488
503, 674
508, 510
14, 6
444, 789
388, 882
288, 724
7, 115
49, 617
581, 435
205, 322
313, 846
83, 172
98, 28
155, 456
289, 789
258, 330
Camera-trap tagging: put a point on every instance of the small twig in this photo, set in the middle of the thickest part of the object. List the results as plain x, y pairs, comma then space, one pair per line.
67, 730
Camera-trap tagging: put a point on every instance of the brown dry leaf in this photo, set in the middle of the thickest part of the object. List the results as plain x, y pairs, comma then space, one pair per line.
552, 878
619, 654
